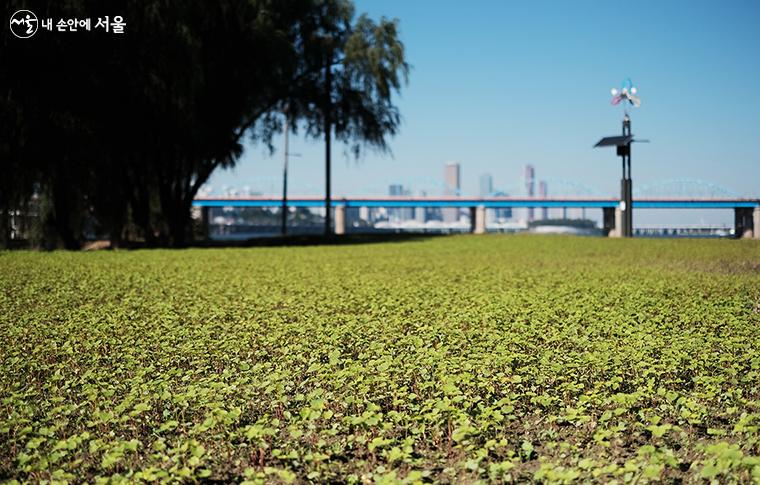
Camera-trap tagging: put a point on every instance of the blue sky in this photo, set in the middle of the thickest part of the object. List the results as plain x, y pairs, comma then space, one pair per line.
498, 84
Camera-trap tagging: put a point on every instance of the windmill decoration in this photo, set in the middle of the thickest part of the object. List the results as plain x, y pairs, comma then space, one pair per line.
627, 96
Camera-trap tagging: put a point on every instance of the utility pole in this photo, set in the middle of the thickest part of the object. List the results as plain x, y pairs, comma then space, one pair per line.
284, 228
328, 129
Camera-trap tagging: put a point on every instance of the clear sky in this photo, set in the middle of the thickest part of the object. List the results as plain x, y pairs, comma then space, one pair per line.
496, 85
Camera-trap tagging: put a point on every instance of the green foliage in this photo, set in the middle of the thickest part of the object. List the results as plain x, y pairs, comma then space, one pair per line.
457, 359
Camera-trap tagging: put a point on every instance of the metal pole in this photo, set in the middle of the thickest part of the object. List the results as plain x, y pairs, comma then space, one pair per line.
623, 192
626, 184
328, 130
629, 206
629, 194
284, 228
624, 208
629, 199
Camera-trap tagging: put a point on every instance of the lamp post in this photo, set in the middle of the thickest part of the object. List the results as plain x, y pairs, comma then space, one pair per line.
286, 156
627, 96
284, 210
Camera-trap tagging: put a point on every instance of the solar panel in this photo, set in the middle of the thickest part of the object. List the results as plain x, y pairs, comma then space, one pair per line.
612, 141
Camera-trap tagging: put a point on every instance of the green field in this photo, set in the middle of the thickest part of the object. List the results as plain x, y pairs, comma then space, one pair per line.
456, 359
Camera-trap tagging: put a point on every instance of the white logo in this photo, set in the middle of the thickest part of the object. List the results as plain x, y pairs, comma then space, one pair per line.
24, 24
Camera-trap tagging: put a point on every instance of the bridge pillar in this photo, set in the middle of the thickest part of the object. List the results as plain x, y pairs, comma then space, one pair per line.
743, 222
617, 230
340, 219
205, 221
756, 222
480, 220
608, 221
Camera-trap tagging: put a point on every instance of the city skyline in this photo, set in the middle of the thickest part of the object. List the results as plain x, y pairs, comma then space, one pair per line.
528, 84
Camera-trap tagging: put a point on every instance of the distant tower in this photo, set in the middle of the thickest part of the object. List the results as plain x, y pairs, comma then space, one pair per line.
451, 178
530, 186
543, 191
486, 185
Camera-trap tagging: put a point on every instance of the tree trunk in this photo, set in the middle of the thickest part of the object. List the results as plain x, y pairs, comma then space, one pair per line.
172, 197
140, 203
178, 226
62, 212
116, 225
5, 226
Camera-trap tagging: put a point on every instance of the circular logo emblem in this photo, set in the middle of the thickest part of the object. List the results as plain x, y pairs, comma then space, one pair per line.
24, 24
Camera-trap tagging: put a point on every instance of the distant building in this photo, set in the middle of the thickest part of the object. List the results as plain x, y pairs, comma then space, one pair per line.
451, 177
486, 185
530, 185
543, 191
399, 214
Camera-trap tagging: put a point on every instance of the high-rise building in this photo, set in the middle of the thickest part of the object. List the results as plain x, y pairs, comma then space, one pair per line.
530, 185
451, 176
543, 191
486, 185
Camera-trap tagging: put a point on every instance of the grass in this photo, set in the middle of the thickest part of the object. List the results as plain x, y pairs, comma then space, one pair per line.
456, 359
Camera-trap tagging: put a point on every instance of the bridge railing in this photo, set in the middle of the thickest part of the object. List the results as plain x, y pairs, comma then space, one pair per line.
746, 210
488, 202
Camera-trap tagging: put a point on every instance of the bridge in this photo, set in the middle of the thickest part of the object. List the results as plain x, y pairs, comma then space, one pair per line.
746, 210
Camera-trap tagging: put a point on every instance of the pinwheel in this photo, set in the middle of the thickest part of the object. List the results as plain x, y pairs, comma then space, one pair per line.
627, 92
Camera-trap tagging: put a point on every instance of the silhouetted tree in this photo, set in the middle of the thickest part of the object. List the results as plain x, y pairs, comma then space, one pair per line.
126, 128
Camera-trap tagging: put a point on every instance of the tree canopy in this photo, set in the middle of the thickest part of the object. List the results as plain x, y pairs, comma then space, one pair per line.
116, 133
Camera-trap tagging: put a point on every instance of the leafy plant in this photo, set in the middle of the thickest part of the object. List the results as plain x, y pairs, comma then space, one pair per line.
455, 359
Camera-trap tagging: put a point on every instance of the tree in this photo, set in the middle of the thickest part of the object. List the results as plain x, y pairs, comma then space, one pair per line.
130, 126
351, 70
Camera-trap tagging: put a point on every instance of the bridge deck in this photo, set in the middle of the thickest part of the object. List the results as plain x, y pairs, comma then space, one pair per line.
489, 202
